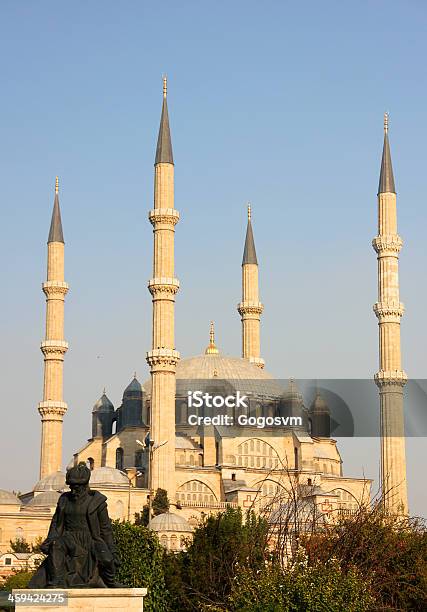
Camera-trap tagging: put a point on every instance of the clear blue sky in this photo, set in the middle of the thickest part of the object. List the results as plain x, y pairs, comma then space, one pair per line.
279, 103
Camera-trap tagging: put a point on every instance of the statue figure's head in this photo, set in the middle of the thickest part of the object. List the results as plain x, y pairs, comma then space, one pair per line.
77, 479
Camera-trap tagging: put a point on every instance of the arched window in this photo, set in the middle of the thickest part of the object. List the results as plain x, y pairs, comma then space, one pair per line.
204, 493
19, 533
257, 453
174, 542
119, 459
164, 541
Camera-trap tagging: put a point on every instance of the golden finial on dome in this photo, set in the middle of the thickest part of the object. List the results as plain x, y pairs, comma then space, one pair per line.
56, 185
211, 349
385, 123
165, 85
249, 212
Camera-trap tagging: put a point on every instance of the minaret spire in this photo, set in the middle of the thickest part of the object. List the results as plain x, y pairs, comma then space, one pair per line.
164, 142
250, 308
55, 232
163, 287
390, 378
54, 347
386, 183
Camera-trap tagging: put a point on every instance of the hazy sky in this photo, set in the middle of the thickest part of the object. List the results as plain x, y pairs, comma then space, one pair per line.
280, 103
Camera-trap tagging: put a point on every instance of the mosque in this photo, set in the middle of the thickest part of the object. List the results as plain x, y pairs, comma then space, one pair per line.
147, 443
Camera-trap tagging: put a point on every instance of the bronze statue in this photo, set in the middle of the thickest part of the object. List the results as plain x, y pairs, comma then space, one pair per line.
80, 547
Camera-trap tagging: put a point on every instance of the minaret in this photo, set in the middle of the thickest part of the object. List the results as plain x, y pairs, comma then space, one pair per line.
163, 357
389, 310
54, 347
250, 308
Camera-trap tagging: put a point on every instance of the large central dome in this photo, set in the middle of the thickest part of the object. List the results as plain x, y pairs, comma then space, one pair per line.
215, 369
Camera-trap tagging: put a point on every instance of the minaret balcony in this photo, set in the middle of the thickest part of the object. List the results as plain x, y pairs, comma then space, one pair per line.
52, 410
390, 377
389, 312
54, 349
163, 360
55, 288
387, 245
258, 361
248, 308
169, 216
163, 287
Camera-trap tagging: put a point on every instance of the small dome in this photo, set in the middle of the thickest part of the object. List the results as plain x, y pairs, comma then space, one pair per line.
133, 389
103, 404
53, 482
7, 497
48, 498
168, 521
319, 404
107, 476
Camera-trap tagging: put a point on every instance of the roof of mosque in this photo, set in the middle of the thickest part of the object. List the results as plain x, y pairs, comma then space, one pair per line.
107, 476
53, 482
7, 497
103, 404
168, 521
133, 388
47, 498
183, 442
216, 370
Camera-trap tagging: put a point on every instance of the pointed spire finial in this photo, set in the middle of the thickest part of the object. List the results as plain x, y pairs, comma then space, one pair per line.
386, 184
164, 153
249, 253
55, 231
212, 349
134, 374
103, 393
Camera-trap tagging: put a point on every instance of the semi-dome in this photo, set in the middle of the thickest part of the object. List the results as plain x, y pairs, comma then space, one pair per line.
48, 498
7, 497
53, 482
107, 476
103, 404
168, 521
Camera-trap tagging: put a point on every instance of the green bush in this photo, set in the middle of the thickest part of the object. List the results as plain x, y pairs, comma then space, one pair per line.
141, 559
19, 580
301, 588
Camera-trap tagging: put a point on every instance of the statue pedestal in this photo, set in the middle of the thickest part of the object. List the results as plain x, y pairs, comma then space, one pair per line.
85, 600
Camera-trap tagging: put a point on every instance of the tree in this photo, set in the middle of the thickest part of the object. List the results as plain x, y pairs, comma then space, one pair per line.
205, 572
20, 545
160, 502
141, 558
389, 551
